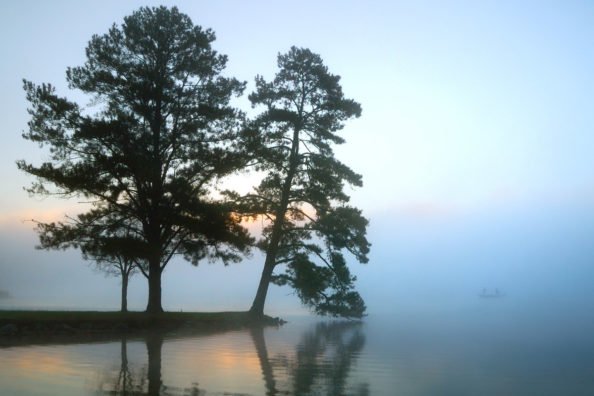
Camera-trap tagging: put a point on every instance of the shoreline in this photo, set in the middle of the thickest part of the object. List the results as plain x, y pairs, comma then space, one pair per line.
34, 327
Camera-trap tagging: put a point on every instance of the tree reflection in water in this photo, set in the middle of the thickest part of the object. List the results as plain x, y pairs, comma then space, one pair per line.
321, 365
146, 381
124, 381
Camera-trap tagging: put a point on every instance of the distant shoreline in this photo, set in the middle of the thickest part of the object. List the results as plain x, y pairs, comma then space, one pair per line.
33, 327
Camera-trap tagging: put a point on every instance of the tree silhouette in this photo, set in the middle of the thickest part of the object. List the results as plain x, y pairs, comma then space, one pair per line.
106, 239
112, 259
158, 134
302, 193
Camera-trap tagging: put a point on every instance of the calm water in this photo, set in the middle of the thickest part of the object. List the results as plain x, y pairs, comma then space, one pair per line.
477, 352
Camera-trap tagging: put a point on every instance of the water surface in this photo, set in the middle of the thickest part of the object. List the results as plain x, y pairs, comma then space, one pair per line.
475, 352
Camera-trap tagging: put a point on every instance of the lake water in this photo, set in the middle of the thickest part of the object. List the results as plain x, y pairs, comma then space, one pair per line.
476, 352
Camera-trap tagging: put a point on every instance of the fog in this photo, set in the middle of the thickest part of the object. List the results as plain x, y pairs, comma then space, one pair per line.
540, 258
475, 148
422, 263
428, 331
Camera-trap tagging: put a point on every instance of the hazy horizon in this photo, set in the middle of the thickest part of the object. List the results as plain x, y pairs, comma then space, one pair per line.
475, 146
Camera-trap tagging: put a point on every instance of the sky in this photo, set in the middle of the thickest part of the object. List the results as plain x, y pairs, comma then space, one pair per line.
475, 145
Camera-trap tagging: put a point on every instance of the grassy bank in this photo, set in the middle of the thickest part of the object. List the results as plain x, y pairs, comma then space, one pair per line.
110, 316
64, 324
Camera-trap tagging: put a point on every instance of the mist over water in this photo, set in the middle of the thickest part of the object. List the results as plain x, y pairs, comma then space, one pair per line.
429, 330
540, 259
480, 352
475, 147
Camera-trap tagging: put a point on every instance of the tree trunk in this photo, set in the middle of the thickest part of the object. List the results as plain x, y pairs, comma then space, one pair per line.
124, 307
257, 309
154, 283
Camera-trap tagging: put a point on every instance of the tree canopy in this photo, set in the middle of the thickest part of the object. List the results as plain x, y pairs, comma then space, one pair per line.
311, 224
158, 133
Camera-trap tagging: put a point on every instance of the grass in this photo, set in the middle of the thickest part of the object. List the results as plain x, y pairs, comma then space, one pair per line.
110, 316
52, 323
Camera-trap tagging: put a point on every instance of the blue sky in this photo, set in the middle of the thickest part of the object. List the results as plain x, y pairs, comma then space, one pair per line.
475, 144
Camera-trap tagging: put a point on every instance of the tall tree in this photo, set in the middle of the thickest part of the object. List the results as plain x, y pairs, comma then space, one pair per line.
302, 193
158, 133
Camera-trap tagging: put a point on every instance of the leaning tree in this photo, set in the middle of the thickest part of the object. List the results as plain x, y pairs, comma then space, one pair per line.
310, 224
159, 131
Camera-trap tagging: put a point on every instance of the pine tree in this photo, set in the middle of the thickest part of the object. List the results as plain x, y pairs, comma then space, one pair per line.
302, 195
160, 131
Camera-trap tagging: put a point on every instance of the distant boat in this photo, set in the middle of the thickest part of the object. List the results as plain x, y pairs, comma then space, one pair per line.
490, 294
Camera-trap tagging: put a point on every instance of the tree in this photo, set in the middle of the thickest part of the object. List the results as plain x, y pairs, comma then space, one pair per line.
111, 257
302, 193
158, 134
104, 238
121, 266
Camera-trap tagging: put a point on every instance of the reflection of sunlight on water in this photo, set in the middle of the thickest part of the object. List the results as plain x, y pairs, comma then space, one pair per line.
303, 357
226, 362
42, 371
472, 352
39, 362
